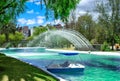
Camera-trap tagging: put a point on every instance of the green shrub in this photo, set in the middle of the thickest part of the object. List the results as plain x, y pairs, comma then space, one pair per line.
2, 38
105, 46
16, 38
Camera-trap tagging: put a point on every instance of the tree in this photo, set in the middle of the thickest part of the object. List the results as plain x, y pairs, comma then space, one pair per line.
100, 34
9, 9
61, 8
2, 39
85, 25
8, 28
39, 30
16, 38
110, 18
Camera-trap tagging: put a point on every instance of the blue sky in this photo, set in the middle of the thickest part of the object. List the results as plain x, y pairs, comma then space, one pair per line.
35, 16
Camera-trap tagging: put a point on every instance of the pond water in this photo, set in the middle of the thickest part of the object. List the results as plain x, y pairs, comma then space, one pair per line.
97, 67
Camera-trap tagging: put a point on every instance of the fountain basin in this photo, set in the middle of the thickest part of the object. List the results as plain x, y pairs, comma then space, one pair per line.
96, 63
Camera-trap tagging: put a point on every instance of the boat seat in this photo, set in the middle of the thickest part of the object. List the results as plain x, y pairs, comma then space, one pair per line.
65, 64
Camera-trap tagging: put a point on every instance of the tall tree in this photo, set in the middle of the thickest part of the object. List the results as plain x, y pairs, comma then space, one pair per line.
100, 34
85, 25
109, 17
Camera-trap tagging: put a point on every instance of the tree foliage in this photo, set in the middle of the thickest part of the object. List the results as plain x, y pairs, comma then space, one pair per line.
85, 25
8, 28
2, 39
100, 34
9, 9
110, 19
61, 8
39, 30
105, 46
16, 38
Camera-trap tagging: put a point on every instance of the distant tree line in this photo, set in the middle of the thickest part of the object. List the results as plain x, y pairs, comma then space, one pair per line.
107, 27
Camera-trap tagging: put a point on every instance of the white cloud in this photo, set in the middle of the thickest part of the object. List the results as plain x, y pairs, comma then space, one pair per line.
22, 20
30, 0
30, 11
86, 6
94, 15
30, 21
46, 23
58, 22
40, 19
81, 12
55, 22
83, 2
37, 13
37, 3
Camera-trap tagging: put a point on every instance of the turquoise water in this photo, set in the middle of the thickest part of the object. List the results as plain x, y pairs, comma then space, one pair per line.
97, 68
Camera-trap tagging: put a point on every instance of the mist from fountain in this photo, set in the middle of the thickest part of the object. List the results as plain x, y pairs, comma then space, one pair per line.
50, 39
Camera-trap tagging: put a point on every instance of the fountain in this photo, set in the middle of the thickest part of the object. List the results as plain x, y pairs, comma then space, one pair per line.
55, 38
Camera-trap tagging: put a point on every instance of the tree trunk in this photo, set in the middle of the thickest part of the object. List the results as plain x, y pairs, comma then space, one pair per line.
6, 36
113, 42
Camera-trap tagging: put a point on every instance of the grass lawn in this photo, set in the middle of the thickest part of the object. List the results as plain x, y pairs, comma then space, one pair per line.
12, 69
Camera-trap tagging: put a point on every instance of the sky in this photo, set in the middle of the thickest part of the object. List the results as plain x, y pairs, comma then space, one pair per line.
34, 15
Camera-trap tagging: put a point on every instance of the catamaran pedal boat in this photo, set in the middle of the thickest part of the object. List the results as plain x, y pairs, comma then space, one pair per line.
66, 68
